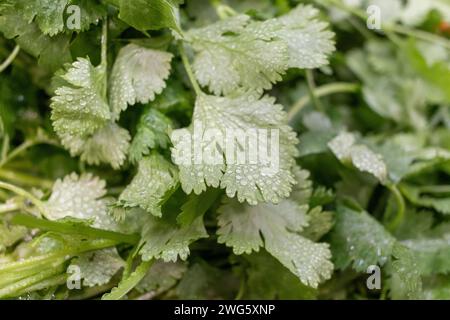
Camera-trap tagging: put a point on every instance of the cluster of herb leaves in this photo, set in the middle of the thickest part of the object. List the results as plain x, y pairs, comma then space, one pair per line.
95, 202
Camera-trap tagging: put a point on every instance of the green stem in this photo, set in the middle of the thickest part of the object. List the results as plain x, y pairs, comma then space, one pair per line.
400, 214
311, 90
5, 147
325, 90
104, 55
24, 179
52, 281
188, 69
127, 284
23, 147
21, 192
10, 58
79, 229
92, 292
54, 258
9, 207
15, 288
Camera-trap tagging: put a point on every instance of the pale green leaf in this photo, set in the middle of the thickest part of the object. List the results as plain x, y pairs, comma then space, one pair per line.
432, 255
155, 180
163, 238
238, 52
346, 149
107, 145
80, 197
359, 240
275, 227
82, 118
78, 107
204, 152
138, 75
9, 235
98, 267
405, 279
309, 41
52, 16
162, 276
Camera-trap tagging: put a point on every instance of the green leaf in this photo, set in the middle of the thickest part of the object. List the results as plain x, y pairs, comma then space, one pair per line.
154, 182
162, 276
52, 16
406, 281
137, 76
9, 235
360, 240
250, 57
80, 197
48, 14
309, 42
346, 149
109, 144
163, 238
238, 52
320, 223
98, 267
152, 132
78, 107
420, 197
431, 255
150, 14
82, 118
197, 205
435, 73
276, 228
203, 281
268, 279
204, 152
52, 52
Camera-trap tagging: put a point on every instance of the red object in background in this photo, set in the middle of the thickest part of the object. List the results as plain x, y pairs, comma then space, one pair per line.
444, 27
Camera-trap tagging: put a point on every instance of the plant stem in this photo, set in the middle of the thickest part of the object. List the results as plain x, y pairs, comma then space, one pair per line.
21, 192
128, 283
188, 69
15, 288
52, 281
311, 90
24, 179
64, 227
104, 56
337, 87
10, 58
55, 257
5, 148
9, 207
398, 218
92, 292
21, 148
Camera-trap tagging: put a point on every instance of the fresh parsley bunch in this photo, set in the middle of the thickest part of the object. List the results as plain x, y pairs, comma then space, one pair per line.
106, 114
